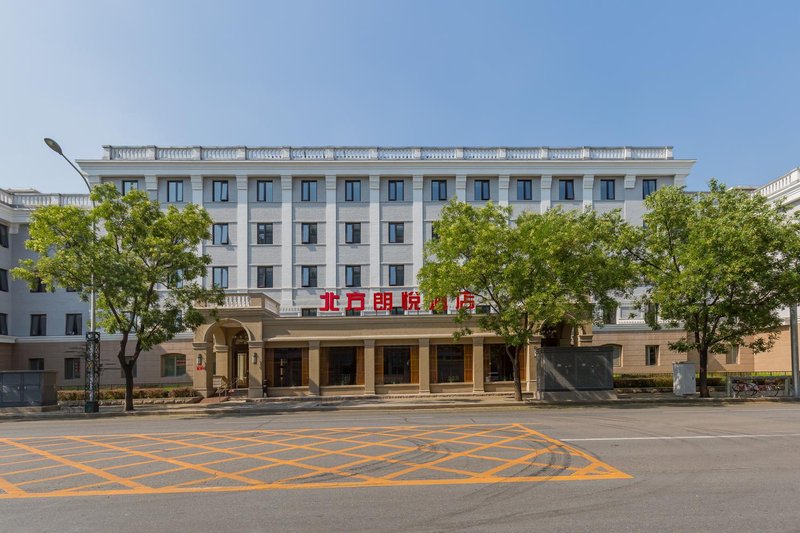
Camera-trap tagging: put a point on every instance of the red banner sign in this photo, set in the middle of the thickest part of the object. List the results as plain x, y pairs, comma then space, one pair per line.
384, 301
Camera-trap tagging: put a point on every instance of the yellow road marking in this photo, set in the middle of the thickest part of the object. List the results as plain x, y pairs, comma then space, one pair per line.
231, 446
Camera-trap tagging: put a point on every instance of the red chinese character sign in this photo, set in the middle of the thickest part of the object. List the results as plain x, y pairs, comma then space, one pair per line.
384, 301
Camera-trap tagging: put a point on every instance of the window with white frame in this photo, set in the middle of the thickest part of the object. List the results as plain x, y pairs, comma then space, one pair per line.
651, 355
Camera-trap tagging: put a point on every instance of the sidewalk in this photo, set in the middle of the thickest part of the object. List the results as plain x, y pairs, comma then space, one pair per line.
244, 406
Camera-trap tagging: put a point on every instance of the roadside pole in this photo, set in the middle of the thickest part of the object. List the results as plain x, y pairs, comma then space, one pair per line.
793, 340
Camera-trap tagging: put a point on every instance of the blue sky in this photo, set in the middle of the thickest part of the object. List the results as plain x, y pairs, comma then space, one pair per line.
719, 80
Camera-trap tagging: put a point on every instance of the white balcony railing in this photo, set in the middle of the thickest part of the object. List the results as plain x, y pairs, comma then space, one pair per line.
349, 153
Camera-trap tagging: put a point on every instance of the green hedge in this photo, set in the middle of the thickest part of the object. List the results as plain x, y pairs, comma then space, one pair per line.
641, 382
119, 394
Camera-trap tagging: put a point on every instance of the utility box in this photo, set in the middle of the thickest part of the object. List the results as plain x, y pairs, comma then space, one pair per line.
684, 382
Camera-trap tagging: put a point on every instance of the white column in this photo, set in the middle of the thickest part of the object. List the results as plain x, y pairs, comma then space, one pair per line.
242, 234
545, 186
588, 191
680, 180
502, 187
418, 226
287, 244
374, 232
330, 232
461, 188
151, 186
197, 199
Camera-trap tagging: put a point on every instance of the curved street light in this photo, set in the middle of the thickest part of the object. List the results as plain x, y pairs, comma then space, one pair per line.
92, 403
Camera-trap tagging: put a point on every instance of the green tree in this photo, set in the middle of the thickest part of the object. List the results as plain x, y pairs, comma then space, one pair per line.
540, 270
720, 265
144, 260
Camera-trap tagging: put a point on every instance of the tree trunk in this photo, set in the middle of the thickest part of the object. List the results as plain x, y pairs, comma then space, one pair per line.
515, 365
704, 373
127, 369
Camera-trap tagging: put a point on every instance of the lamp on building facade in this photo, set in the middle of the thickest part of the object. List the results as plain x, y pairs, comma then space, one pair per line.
92, 384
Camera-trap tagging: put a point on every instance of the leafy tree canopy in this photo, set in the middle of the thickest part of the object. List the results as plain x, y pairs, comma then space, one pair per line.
720, 264
144, 260
539, 270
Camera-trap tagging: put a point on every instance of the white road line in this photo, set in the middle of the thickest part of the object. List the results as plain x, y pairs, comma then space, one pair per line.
685, 437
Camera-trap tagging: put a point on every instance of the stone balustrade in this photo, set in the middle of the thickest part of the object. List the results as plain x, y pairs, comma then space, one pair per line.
242, 153
34, 200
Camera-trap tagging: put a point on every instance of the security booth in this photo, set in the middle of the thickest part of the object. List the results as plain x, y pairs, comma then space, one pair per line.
575, 372
28, 388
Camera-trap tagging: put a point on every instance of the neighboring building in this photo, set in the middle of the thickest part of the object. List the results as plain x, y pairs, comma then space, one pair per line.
292, 224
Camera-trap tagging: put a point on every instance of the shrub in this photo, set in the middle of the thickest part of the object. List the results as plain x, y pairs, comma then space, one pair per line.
138, 394
665, 380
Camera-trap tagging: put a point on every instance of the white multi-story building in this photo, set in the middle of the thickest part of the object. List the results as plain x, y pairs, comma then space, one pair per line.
291, 224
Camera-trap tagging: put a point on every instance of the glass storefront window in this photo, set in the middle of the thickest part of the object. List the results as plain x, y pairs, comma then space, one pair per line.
288, 367
450, 364
342, 365
396, 364
500, 367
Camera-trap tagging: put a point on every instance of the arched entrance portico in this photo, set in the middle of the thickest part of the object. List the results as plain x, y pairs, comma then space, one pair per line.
228, 351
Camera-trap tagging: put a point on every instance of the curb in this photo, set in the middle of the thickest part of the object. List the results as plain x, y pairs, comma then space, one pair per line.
530, 404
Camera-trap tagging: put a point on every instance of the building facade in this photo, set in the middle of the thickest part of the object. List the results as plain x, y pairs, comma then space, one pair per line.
293, 226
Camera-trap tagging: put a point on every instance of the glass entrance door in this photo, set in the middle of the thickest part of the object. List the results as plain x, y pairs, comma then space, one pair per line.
241, 369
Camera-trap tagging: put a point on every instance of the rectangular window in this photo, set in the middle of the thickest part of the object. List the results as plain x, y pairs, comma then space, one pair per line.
648, 187
342, 365
288, 367
173, 365
3, 324
352, 275
129, 185
264, 277
72, 368
450, 363
38, 325
308, 311
38, 286
396, 365
309, 276
352, 191
396, 232
176, 279
3, 280
616, 355
438, 190
219, 275
36, 363
566, 189
396, 192
74, 324
434, 232
651, 355
219, 192
608, 190
481, 190
352, 233
732, 356
264, 191
396, 277
308, 191
221, 234
174, 191
309, 233
524, 190
264, 233
3, 235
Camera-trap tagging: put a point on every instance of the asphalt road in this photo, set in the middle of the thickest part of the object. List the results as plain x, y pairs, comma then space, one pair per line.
684, 468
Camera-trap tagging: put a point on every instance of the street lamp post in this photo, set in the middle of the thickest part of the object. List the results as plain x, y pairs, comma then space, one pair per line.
92, 398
